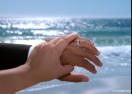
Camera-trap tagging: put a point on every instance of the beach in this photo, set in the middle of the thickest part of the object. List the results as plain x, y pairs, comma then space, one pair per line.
111, 36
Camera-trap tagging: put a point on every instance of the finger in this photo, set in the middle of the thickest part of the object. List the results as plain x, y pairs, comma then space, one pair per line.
74, 78
55, 40
79, 52
91, 51
75, 60
63, 43
87, 46
65, 69
94, 59
88, 41
92, 44
86, 64
90, 48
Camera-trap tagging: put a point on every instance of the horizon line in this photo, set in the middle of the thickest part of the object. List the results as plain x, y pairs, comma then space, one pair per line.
65, 17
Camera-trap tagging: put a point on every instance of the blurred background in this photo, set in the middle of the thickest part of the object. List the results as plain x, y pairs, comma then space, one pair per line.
105, 22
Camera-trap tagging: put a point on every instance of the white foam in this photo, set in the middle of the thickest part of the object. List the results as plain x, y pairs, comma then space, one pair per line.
48, 33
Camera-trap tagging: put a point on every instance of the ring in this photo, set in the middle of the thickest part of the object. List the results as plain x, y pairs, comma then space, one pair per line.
78, 43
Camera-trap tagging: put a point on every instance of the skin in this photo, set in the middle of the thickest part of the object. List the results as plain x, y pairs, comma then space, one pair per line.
46, 63
74, 55
42, 65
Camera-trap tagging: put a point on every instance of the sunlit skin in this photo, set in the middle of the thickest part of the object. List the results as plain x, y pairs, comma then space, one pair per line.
42, 65
50, 60
74, 55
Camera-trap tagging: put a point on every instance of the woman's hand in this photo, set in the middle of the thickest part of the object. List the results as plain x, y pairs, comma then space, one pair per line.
80, 56
74, 55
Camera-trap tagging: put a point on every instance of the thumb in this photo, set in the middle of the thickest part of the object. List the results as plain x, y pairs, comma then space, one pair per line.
65, 69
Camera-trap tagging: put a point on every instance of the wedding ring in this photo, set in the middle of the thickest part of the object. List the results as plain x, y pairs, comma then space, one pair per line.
78, 43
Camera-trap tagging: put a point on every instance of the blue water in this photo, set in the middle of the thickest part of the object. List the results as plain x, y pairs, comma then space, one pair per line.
111, 36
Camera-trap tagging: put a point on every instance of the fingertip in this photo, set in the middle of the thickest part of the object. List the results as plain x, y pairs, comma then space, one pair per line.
95, 72
85, 80
101, 64
98, 53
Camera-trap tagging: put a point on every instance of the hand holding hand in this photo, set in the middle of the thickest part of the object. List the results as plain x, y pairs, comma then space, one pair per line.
74, 55
44, 61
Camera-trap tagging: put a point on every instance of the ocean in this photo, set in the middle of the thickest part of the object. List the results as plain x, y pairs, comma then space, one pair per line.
111, 36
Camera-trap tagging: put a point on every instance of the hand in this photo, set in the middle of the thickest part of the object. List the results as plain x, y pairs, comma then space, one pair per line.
44, 61
75, 56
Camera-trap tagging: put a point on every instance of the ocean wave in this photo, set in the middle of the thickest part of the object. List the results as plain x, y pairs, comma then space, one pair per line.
101, 31
99, 41
70, 24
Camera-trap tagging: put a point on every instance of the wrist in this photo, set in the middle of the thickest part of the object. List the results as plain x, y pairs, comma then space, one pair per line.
24, 77
16, 79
